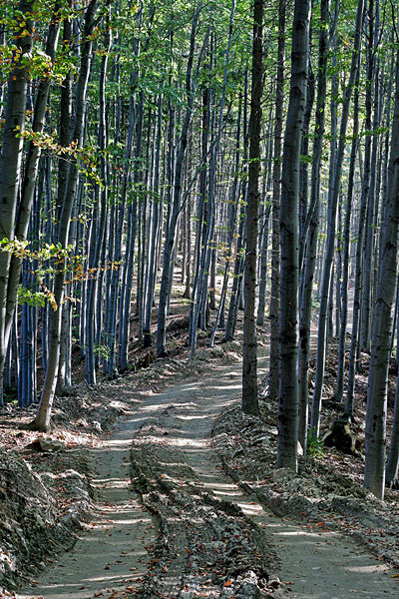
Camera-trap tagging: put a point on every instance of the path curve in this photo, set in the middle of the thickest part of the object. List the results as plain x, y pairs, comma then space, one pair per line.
313, 566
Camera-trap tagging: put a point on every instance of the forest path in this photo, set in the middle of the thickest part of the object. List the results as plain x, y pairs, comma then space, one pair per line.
110, 553
111, 557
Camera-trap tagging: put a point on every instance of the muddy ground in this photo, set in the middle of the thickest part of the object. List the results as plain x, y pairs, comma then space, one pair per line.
46, 494
213, 539
328, 491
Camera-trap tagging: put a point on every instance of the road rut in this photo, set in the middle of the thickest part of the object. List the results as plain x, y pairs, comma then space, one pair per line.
175, 465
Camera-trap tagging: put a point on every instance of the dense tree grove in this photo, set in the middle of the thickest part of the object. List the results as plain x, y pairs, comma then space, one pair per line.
241, 154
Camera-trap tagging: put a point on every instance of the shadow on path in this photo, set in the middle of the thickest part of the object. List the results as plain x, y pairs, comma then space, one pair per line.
111, 555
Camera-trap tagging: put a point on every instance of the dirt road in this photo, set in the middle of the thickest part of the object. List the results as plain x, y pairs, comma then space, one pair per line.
214, 541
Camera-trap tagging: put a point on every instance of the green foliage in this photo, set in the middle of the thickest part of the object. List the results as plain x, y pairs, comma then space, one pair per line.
315, 447
87, 157
103, 351
32, 298
20, 249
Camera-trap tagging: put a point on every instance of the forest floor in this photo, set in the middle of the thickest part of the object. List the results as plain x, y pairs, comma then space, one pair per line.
200, 520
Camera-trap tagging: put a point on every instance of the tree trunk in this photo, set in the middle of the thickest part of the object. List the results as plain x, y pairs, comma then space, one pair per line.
392, 468
312, 225
372, 84
30, 176
167, 268
289, 222
42, 420
207, 252
374, 474
11, 153
275, 276
156, 213
97, 242
249, 373
331, 223
345, 260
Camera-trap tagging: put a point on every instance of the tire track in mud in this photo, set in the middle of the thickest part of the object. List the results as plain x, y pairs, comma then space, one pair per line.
213, 540
175, 466
110, 554
113, 558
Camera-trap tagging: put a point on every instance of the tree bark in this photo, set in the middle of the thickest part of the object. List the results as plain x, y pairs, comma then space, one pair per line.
345, 260
11, 153
167, 268
42, 420
289, 224
275, 275
313, 216
249, 373
374, 474
372, 85
331, 224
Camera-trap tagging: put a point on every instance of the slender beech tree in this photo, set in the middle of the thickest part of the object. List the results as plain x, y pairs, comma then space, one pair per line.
12, 151
287, 422
156, 216
345, 261
231, 228
275, 274
249, 373
371, 125
374, 475
31, 172
199, 299
98, 218
42, 420
311, 225
175, 208
331, 227
239, 246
